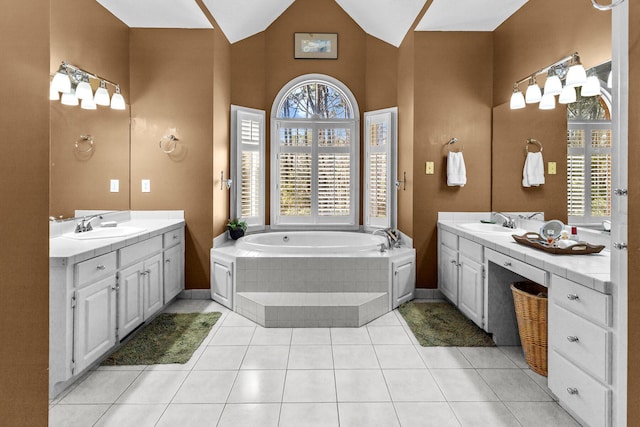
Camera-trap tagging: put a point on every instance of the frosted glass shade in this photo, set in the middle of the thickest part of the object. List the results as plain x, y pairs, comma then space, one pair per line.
117, 101
102, 96
576, 76
591, 87
54, 95
69, 99
533, 94
88, 104
548, 102
553, 85
517, 100
568, 95
61, 82
84, 91
610, 80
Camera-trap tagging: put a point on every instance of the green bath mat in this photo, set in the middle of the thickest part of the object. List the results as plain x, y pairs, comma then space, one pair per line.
169, 338
440, 324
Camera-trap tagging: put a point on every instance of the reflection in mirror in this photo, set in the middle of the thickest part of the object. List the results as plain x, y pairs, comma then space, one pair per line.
589, 155
89, 160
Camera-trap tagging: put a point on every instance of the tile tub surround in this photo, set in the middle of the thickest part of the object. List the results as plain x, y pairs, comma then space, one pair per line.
319, 379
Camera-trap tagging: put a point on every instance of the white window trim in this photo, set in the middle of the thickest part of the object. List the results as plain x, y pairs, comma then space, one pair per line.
320, 223
390, 115
253, 223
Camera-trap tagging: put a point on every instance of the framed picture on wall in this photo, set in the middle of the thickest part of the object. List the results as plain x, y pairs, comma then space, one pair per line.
316, 45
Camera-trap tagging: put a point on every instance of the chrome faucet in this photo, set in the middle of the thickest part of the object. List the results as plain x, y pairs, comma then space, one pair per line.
385, 234
85, 223
508, 221
533, 215
393, 240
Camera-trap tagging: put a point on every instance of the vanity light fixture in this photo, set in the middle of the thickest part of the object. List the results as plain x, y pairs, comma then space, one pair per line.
606, 6
591, 87
610, 80
533, 91
569, 68
74, 84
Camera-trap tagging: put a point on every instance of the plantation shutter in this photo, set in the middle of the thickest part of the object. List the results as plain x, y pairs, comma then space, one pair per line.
380, 139
247, 166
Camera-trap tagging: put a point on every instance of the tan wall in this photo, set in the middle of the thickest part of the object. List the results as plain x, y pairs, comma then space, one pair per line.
98, 43
172, 84
452, 98
406, 84
633, 353
24, 189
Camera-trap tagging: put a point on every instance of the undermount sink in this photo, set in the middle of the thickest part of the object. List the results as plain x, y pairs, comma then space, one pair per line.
105, 233
480, 227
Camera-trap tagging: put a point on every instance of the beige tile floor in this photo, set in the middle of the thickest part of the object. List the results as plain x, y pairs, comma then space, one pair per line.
376, 375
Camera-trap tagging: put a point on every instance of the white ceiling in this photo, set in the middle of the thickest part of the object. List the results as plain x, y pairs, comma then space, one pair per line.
388, 20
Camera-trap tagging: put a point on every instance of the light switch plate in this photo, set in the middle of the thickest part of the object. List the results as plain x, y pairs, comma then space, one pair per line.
551, 166
146, 186
429, 168
114, 185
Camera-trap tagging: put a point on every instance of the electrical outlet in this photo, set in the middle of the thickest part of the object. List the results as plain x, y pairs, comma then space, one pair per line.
146, 186
429, 168
551, 166
114, 185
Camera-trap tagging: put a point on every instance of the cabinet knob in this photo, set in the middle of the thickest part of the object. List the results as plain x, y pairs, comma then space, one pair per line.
167, 261
572, 390
101, 267
453, 261
573, 297
572, 338
507, 264
395, 273
143, 273
175, 237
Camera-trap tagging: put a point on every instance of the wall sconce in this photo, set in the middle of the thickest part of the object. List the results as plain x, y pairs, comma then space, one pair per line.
74, 84
569, 68
225, 182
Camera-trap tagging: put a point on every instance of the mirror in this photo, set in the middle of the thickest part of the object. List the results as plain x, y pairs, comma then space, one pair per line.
589, 155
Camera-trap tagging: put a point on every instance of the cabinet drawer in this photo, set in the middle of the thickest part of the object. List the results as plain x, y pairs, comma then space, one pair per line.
449, 239
523, 269
95, 268
582, 342
579, 392
173, 237
471, 250
581, 300
140, 250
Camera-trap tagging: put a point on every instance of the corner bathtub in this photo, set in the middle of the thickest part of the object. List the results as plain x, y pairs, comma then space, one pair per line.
311, 242
311, 278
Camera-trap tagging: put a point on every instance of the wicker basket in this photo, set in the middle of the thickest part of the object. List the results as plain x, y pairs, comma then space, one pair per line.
530, 300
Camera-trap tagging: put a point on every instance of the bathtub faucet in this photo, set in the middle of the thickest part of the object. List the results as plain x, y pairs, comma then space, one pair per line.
85, 223
393, 239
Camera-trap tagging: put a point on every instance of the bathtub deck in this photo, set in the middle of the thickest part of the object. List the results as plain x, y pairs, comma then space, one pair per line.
312, 309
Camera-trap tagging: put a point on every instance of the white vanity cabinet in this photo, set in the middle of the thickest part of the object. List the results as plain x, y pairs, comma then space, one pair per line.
173, 257
460, 274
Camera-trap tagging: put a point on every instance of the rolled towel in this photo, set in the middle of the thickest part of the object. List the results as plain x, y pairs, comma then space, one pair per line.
533, 171
456, 171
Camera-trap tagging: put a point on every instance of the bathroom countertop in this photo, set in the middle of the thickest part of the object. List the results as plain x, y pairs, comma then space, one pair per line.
63, 250
593, 271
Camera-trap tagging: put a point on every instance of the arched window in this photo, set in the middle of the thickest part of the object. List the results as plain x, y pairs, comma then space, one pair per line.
315, 154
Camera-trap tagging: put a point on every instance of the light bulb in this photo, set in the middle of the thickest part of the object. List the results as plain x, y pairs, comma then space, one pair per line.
548, 102
102, 95
54, 95
88, 104
117, 100
517, 99
553, 85
576, 76
533, 92
610, 80
568, 95
69, 99
84, 91
61, 82
591, 87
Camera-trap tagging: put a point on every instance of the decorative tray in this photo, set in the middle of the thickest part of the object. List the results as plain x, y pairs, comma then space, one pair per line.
536, 241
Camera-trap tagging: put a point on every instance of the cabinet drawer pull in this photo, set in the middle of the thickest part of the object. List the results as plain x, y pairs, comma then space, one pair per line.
395, 273
101, 267
167, 261
143, 273
507, 264
453, 261
573, 297
572, 390
175, 237
572, 338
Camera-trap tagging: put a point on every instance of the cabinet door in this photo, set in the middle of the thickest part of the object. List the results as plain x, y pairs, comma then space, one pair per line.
404, 282
95, 325
173, 273
448, 273
471, 289
222, 282
153, 288
130, 299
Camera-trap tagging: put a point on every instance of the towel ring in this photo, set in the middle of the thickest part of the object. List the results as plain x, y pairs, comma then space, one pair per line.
84, 139
532, 141
453, 141
168, 140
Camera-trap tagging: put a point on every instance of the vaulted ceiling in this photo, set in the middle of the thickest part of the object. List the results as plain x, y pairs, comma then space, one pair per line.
388, 20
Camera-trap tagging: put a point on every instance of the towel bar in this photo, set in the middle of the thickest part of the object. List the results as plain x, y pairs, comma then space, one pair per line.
532, 141
453, 141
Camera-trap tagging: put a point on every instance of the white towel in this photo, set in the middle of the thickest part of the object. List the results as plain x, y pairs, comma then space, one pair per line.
533, 172
456, 171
